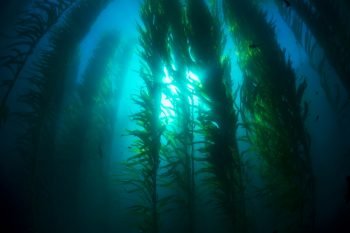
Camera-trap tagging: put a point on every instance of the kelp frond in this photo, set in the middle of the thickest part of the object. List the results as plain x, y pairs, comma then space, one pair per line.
147, 145
218, 123
272, 109
31, 27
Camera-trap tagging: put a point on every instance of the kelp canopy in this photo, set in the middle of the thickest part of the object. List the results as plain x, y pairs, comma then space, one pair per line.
174, 116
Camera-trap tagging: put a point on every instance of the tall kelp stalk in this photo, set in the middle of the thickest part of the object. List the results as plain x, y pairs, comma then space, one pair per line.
143, 166
179, 174
31, 27
43, 99
305, 38
86, 132
329, 23
335, 16
273, 117
224, 168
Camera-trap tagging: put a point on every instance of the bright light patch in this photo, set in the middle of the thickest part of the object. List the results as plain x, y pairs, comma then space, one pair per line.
191, 55
215, 124
190, 87
167, 110
167, 79
192, 77
173, 89
166, 102
193, 100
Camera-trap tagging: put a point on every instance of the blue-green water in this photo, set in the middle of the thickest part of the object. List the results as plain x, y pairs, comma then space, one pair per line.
174, 116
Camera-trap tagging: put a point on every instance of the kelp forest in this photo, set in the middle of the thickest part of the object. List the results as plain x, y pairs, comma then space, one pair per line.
194, 116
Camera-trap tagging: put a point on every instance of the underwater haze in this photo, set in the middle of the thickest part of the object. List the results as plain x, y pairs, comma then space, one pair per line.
167, 116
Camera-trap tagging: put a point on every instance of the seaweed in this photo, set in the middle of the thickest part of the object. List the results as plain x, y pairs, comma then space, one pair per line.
306, 39
31, 27
86, 132
223, 166
272, 108
43, 101
327, 21
179, 168
142, 168
87, 112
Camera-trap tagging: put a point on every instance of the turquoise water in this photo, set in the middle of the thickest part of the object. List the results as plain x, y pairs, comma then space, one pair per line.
174, 116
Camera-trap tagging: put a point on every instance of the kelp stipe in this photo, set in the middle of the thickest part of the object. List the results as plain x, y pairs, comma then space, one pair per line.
43, 101
142, 168
272, 109
223, 166
31, 27
178, 152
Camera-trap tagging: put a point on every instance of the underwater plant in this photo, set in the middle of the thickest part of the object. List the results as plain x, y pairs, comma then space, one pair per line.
31, 27
142, 168
328, 23
273, 116
305, 38
43, 101
178, 152
86, 130
223, 166
87, 112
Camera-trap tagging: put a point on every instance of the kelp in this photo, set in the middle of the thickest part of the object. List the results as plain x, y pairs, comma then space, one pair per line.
328, 23
87, 112
86, 132
306, 39
273, 113
50, 72
43, 101
143, 167
97, 69
223, 167
31, 27
179, 151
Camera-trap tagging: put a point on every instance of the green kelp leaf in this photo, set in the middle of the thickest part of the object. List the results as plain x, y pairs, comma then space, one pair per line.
141, 134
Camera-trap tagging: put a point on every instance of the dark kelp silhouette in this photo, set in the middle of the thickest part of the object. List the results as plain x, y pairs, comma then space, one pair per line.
218, 124
272, 112
31, 27
305, 37
143, 167
328, 23
179, 151
44, 101
86, 132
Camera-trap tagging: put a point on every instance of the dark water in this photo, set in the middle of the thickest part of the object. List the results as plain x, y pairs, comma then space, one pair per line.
174, 116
